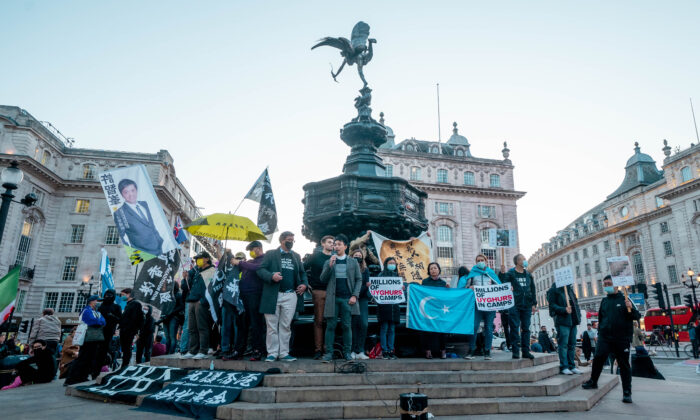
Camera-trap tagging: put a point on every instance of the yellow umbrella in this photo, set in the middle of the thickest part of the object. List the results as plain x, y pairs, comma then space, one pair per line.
224, 226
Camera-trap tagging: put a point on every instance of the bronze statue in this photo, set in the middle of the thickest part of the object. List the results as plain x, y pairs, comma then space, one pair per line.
357, 50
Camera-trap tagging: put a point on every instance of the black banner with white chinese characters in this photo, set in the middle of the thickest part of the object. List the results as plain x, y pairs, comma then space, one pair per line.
201, 392
154, 285
267, 212
127, 384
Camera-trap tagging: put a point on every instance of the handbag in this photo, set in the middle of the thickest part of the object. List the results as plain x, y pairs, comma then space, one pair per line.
79, 337
94, 333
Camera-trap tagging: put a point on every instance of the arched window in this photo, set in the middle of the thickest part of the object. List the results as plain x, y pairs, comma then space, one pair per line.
435, 150
445, 250
89, 171
469, 178
25, 243
45, 158
686, 175
459, 152
495, 180
409, 147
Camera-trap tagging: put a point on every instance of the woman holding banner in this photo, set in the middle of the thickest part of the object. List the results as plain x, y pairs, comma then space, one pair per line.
359, 322
388, 314
431, 340
481, 275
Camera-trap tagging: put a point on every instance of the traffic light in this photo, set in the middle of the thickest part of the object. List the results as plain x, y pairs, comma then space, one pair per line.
689, 301
24, 326
659, 295
642, 288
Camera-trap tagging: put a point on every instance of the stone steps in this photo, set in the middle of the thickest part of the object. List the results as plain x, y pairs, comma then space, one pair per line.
576, 399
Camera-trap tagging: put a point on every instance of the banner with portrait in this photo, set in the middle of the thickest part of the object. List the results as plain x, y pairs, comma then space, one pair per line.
503, 238
621, 271
412, 256
137, 212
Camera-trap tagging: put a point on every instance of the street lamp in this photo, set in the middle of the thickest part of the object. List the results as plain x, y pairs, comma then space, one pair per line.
691, 285
11, 177
87, 284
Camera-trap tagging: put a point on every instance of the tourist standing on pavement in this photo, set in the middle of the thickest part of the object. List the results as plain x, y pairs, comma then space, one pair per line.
481, 275
615, 318
130, 324
344, 282
144, 343
567, 316
88, 363
388, 314
282, 295
47, 328
200, 321
251, 291
433, 340
359, 322
525, 305
314, 265
112, 313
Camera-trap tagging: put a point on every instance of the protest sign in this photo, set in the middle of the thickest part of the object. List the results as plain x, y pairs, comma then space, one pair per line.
412, 257
201, 392
137, 212
127, 384
387, 289
563, 276
154, 284
621, 271
494, 297
503, 238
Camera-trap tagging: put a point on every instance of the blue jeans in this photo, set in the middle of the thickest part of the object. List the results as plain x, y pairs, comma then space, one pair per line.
488, 318
184, 338
566, 338
228, 326
359, 326
170, 329
519, 320
386, 336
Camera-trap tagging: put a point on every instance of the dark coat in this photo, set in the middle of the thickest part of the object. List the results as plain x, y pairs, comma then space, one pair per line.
137, 232
545, 341
557, 304
46, 365
112, 314
354, 283
389, 312
132, 319
178, 311
614, 322
525, 297
272, 263
198, 287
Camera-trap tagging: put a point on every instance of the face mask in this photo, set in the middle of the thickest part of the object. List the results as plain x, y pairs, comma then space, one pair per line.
200, 263
481, 265
391, 267
609, 289
525, 264
252, 254
289, 245
359, 260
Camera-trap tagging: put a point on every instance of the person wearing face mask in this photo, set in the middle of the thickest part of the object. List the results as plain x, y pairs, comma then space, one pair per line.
87, 363
388, 314
112, 314
129, 325
199, 320
432, 340
567, 317
359, 322
615, 330
251, 291
481, 275
45, 362
284, 284
344, 279
525, 305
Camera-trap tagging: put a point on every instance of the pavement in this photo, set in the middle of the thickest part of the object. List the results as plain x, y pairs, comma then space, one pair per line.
678, 397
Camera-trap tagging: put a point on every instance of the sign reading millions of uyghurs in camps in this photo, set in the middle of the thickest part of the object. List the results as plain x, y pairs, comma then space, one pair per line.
503, 238
412, 257
127, 384
201, 392
495, 297
563, 276
387, 289
621, 271
137, 212
154, 284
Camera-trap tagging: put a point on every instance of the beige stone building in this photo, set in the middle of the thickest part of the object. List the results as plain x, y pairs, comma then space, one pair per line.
57, 241
467, 195
653, 217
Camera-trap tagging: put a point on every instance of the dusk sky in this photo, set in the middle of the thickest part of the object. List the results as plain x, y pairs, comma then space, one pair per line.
231, 87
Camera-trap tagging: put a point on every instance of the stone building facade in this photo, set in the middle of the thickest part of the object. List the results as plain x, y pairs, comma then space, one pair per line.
58, 240
653, 218
467, 195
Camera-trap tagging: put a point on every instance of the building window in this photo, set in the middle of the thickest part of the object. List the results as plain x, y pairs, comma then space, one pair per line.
568, 259
20, 301
69, 266
659, 202
579, 291
596, 265
445, 252
664, 227
587, 269
112, 263
442, 176
696, 203
50, 300
595, 249
469, 178
556, 264
600, 287
112, 237
686, 175
445, 209
389, 170
495, 180
638, 267
80, 302
589, 289
89, 171
676, 299
624, 211
76, 234
490, 255
82, 206
435, 150
585, 252
45, 158
672, 274
459, 152
39, 196
66, 303
415, 173
631, 240
409, 148
487, 212
668, 249
606, 246
25, 242
576, 256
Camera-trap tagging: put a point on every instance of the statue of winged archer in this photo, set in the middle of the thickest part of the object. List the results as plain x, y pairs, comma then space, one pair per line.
357, 50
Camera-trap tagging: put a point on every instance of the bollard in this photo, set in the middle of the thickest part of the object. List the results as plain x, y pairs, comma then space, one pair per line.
413, 406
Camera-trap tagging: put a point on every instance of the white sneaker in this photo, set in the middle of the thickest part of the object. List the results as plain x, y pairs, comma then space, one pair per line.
200, 356
576, 371
567, 372
361, 356
186, 356
353, 355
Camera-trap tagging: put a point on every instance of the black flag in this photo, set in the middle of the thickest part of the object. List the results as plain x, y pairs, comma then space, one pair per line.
267, 213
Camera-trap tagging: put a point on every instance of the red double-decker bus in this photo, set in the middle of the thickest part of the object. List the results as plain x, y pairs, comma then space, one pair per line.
656, 319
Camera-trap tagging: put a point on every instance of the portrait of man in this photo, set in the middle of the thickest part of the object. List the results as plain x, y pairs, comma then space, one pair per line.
135, 222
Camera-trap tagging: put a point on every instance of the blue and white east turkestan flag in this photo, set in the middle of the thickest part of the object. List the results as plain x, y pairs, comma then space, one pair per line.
106, 273
439, 309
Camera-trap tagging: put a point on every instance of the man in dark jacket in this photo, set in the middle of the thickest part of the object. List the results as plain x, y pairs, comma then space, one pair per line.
45, 362
199, 319
314, 266
282, 295
251, 290
544, 340
144, 343
172, 320
525, 305
129, 326
112, 313
615, 330
566, 316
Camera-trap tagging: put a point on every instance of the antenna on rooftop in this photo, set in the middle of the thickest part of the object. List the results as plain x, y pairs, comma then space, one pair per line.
694, 122
438, 107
